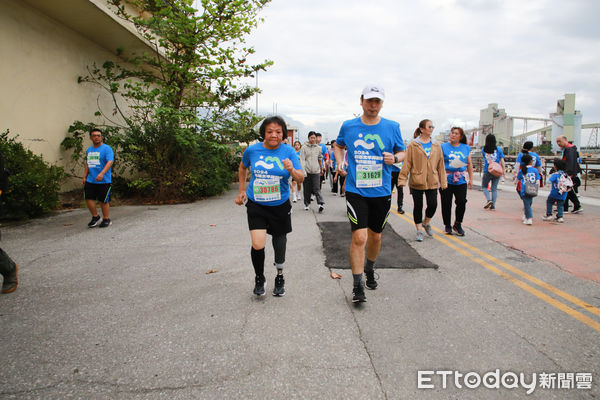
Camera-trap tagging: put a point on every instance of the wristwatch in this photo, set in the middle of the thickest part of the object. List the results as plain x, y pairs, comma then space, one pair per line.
395, 159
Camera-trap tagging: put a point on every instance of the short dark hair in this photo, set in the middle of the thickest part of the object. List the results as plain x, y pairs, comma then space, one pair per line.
311, 133
273, 120
318, 134
559, 164
96, 130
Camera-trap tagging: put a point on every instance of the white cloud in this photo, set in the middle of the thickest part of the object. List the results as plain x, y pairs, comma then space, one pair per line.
438, 59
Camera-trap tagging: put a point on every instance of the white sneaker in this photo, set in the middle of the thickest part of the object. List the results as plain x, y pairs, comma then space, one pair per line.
547, 217
561, 220
306, 208
528, 221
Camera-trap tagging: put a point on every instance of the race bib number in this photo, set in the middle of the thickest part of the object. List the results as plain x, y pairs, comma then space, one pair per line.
369, 175
267, 189
93, 159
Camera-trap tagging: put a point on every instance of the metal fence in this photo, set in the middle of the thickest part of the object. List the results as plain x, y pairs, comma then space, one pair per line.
590, 166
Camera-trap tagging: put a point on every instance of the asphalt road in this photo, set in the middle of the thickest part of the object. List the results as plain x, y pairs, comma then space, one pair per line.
160, 305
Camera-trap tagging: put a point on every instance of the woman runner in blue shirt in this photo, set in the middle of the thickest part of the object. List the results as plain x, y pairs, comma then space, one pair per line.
271, 165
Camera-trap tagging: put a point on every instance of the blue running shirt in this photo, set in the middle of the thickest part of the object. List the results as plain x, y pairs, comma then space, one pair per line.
455, 161
96, 158
368, 175
532, 176
269, 180
537, 161
497, 156
427, 148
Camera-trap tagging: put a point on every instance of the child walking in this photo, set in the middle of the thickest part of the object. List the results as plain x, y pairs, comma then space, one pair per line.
559, 181
527, 176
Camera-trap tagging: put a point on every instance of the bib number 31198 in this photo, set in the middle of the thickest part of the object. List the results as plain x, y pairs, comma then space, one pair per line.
369, 175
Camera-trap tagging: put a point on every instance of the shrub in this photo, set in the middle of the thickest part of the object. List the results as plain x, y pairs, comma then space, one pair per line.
33, 184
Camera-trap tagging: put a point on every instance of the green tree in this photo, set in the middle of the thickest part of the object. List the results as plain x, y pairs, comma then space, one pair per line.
177, 107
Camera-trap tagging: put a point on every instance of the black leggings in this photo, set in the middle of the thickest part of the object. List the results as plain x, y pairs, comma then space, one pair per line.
431, 197
400, 198
460, 199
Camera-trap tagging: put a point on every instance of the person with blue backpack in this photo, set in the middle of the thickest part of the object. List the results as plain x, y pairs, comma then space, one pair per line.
561, 185
529, 180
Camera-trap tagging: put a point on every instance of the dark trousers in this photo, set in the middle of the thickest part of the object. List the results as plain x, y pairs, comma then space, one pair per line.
572, 194
312, 184
459, 192
431, 198
7, 265
400, 189
338, 183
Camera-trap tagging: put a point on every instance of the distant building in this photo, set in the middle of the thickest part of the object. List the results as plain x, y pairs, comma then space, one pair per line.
46, 45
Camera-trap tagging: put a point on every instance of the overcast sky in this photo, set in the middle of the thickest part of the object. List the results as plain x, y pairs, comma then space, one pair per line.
438, 59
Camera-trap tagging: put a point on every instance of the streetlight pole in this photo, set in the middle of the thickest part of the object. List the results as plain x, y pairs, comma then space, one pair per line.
256, 92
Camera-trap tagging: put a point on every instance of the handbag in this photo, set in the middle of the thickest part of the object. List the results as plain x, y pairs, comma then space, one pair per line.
531, 189
494, 167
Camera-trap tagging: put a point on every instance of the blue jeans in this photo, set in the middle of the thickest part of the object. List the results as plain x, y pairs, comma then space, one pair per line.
560, 204
487, 177
527, 202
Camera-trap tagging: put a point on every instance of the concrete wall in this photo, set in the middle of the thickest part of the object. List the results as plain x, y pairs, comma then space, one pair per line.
41, 60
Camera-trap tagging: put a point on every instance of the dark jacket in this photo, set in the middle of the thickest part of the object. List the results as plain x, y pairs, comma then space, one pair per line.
571, 157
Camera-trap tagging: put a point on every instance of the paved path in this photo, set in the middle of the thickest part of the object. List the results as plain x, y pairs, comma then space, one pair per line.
159, 306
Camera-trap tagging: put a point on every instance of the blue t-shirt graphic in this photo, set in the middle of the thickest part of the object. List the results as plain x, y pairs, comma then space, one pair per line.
532, 176
497, 156
537, 161
96, 158
427, 148
269, 180
455, 161
368, 175
554, 193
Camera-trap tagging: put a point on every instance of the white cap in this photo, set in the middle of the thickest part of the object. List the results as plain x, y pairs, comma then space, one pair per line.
371, 91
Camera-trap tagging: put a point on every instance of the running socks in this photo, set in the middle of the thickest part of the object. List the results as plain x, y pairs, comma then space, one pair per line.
357, 279
258, 261
369, 265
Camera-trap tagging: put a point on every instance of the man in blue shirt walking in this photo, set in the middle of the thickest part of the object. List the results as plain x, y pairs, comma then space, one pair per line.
97, 179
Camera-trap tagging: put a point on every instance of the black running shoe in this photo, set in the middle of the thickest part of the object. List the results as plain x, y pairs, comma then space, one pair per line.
458, 229
359, 294
400, 210
94, 222
371, 282
260, 285
106, 223
279, 289
448, 230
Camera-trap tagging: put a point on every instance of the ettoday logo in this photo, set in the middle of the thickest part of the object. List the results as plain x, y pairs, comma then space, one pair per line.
506, 380
366, 142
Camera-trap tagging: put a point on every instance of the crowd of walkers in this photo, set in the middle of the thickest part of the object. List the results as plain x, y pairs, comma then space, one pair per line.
366, 163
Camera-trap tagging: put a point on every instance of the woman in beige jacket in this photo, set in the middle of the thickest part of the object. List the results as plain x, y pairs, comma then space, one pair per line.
424, 163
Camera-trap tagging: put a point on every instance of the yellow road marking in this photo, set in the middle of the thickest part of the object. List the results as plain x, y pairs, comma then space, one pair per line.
541, 295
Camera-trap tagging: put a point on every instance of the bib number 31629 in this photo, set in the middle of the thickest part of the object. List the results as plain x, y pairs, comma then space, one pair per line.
369, 175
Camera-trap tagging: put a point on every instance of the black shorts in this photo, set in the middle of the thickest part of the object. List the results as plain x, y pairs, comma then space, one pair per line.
277, 220
368, 212
97, 191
